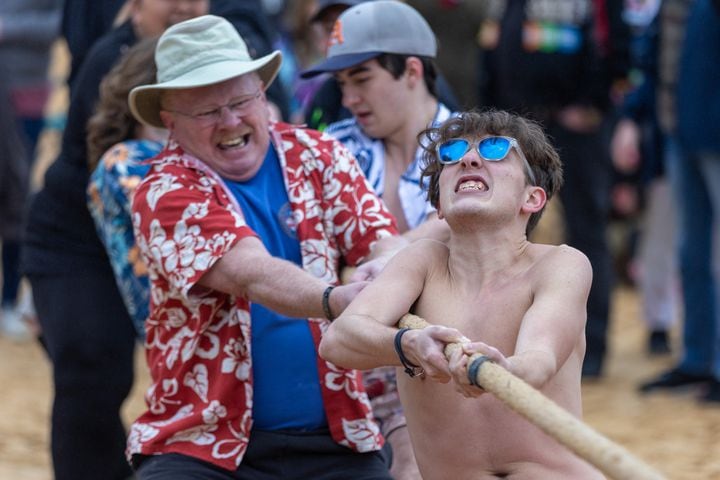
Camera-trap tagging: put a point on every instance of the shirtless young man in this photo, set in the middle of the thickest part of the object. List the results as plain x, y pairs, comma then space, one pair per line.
490, 176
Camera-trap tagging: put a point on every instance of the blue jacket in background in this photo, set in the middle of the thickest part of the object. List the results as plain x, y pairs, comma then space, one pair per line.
699, 85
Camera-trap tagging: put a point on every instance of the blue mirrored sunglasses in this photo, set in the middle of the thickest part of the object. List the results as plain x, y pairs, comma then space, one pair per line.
492, 149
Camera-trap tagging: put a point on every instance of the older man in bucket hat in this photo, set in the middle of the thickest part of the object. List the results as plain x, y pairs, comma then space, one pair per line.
243, 224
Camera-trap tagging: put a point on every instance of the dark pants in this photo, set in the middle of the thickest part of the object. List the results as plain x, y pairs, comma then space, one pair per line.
274, 456
585, 197
90, 340
10, 272
30, 129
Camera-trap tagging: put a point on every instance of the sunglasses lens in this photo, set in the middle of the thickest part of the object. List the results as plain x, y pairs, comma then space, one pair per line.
494, 148
452, 150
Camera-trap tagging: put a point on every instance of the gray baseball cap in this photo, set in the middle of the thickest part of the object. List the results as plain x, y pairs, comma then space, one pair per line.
370, 29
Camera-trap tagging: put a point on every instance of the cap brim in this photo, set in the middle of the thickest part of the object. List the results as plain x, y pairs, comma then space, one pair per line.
325, 6
339, 62
144, 100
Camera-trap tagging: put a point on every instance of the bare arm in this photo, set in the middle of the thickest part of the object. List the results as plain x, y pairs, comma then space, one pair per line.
556, 320
363, 336
248, 270
551, 327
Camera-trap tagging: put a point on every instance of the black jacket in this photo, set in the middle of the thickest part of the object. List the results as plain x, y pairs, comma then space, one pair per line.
60, 234
249, 19
564, 65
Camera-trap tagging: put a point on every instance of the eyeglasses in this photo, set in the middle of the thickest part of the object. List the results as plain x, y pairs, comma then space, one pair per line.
237, 107
492, 149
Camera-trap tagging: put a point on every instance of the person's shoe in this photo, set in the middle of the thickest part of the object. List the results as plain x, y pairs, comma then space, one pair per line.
658, 343
12, 325
674, 379
712, 394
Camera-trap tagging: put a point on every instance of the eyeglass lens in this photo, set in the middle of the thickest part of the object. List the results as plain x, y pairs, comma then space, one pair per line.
491, 148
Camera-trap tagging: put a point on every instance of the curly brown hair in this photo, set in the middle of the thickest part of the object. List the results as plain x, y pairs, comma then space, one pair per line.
542, 157
113, 122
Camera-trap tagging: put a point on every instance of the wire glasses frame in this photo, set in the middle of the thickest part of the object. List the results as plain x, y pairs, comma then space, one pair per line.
237, 107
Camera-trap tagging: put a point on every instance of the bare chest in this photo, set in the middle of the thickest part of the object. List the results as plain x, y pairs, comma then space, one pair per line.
491, 314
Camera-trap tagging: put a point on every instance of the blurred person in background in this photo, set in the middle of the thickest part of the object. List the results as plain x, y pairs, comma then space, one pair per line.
28, 29
456, 25
301, 44
695, 176
118, 147
88, 334
638, 155
251, 20
556, 63
14, 173
325, 105
83, 23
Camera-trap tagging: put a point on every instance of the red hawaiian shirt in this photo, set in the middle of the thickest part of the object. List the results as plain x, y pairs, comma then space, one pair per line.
198, 340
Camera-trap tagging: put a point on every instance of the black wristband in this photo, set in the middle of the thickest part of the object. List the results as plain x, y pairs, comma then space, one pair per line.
411, 369
473, 368
326, 303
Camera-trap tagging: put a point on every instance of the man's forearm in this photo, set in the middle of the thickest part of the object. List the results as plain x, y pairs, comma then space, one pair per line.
357, 341
285, 288
248, 270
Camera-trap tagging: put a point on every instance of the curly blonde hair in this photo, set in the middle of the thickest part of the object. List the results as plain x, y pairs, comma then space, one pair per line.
542, 157
113, 122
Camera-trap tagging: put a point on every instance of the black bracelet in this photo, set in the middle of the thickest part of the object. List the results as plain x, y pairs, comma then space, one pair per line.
326, 303
473, 368
411, 369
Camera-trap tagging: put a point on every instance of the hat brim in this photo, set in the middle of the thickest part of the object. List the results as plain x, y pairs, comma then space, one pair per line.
144, 100
339, 62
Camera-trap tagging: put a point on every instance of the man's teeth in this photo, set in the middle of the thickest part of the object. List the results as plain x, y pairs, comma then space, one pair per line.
471, 185
235, 142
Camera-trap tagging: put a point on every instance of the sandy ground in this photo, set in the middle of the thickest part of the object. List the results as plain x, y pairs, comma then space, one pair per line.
672, 432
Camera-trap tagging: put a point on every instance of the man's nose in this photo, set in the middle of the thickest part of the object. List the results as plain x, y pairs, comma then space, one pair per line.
228, 117
349, 97
471, 159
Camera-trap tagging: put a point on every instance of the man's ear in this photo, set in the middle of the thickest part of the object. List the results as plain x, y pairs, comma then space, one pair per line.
535, 199
414, 70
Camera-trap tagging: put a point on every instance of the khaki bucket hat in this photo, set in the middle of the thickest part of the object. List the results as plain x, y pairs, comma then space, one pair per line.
198, 52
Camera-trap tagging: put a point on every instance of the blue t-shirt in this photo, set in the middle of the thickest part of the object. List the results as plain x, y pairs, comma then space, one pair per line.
285, 374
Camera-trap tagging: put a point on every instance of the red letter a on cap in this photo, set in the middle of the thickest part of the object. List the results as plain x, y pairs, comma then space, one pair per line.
336, 37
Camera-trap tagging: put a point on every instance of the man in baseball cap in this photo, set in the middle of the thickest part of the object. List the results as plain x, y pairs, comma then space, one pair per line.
243, 223
382, 54
374, 28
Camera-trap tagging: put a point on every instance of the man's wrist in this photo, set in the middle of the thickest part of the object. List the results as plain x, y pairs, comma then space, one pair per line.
410, 368
326, 303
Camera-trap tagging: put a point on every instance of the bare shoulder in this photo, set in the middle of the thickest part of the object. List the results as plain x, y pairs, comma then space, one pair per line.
561, 262
425, 246
422, 255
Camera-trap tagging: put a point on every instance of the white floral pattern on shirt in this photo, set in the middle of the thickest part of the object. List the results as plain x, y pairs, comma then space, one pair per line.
198, 340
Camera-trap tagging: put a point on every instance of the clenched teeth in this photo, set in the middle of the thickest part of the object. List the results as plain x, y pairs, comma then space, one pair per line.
472, 185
